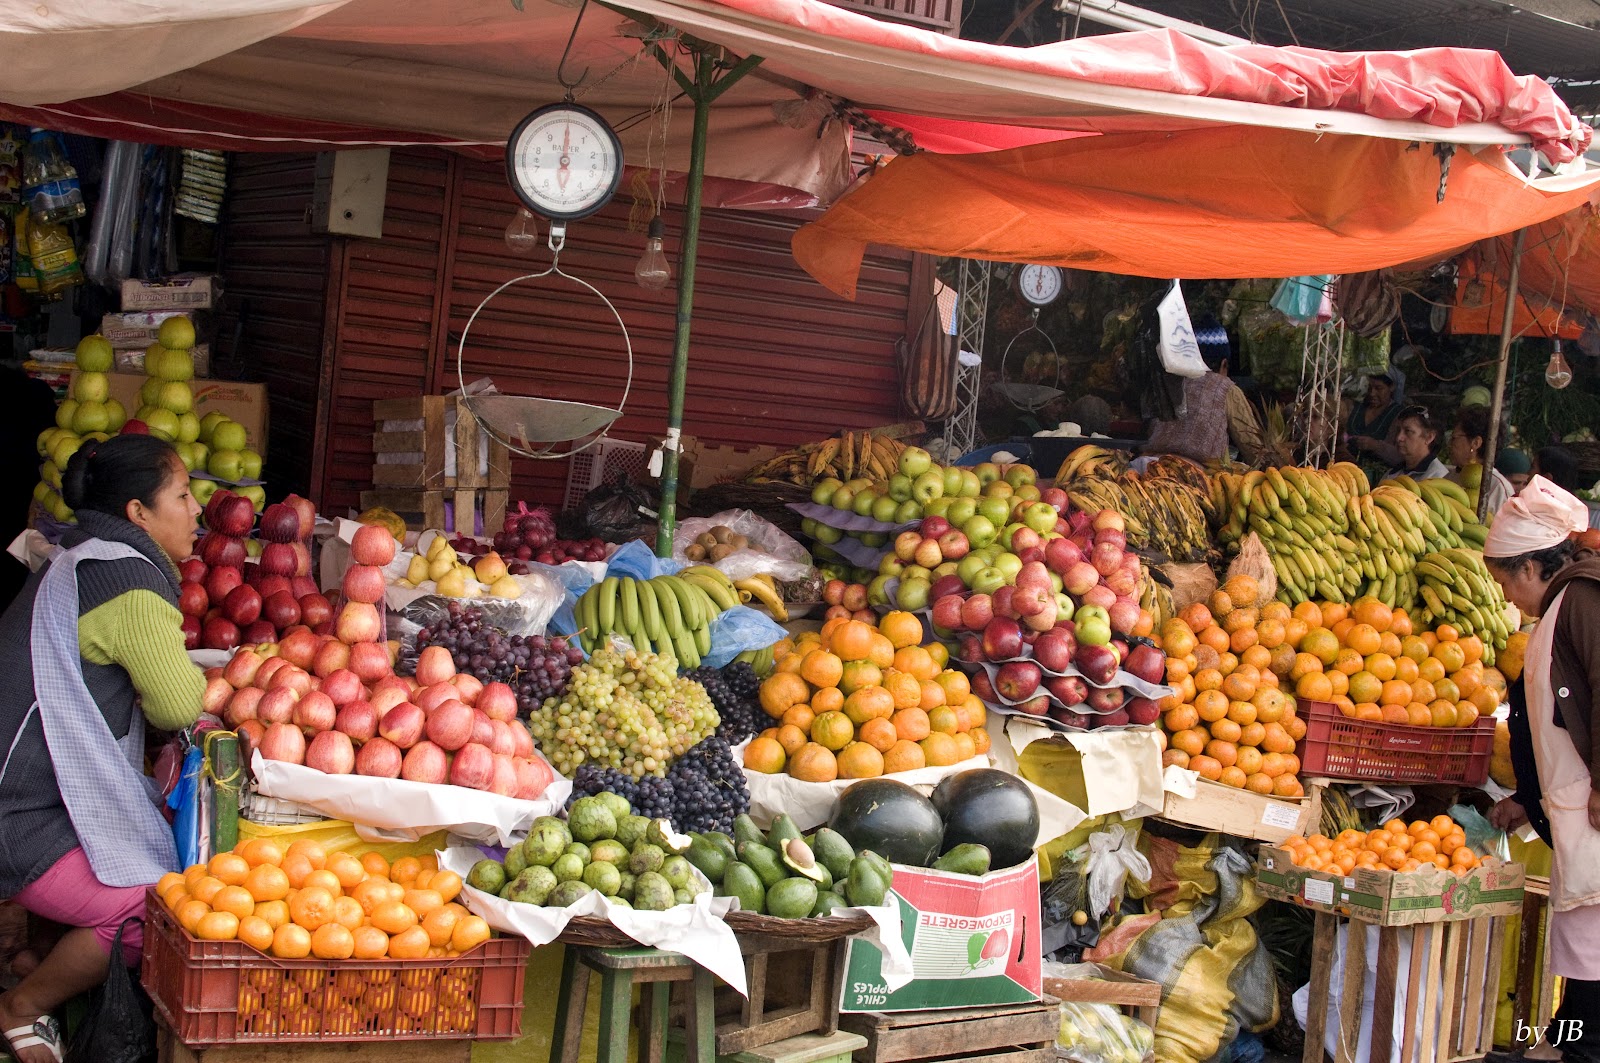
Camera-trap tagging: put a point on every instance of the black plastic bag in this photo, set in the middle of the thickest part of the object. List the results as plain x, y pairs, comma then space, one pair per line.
612, 509
119, 1027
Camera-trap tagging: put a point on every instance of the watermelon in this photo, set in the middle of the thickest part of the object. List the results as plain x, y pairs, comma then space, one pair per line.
891, 819
992, 808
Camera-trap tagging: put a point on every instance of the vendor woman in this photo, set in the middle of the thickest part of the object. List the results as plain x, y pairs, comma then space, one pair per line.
1533, 556
1415, 437
90, 652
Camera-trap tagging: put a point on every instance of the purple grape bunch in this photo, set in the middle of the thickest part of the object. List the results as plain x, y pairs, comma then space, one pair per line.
536, 667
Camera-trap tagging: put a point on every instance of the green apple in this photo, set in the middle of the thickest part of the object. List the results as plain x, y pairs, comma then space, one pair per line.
41, 445
808, 526
828, 534
149, 391
914, 461
256, 495
858, 483
177, 397
873, 539
209, 422
971, 486
65, 446
1029, 492
58, 509
163, 423
1018, 475
988, 579
862, 504
826, 553
250, 464
970, 566
94, 354
176, 333
252, 548
143, 413
900, 487
986, 472
89, 387
861, 575
1010, 564
936, 507
917, 572
223, 464
890, 565
1092, 626
996, 509
946, 568
118, 414
844, 496
821, 491
50, 474
42, 492
65, 413
979, 530
188, 427
960, 511
1040, 516
912, 593
91, 417
878, 590
928, 486
952, 481
908, 511
202, 490
997, 489
228, 435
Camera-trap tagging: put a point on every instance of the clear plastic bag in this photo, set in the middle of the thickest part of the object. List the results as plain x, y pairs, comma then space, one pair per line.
1099, 1033
1113, 857
771, 551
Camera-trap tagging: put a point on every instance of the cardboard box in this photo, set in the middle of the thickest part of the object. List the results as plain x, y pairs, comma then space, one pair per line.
974, 942
245, 403
1390, 898
138, 329
1241, 813
185, 291
710, 463
133, 361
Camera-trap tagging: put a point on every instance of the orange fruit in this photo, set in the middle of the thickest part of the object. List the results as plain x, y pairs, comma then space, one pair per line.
1252, 734
832, 730
905, 688
1309, 612
1348, 662
1423, 691
1177, 638
206, 888
230, 868
392, 917
374, 864
1226, 730
813, 763
1232, 776
1287, 786
1365, 687
346, 870
1395, 693
405, 870
1180, 717
1314, 687
1373, 613
828, 699
1220, 604
1191, 741
781, 690
1450, 654
1447, 633
258, 851
917, 661
440, 924
1321, 644
1466, 714
1342, 628
470, 932
901, 628
1226, 663
1174, 756
1224, 753
858, 760
852, 640
800, 716
297, 866
1208, 679
422, 901
1471, 645
325, 879
904, 755
943, 720
912, 724
217, 926
940, 749
1240, 685
859, 675
1257, 657
368, 943
882, 651
1405, 669
1206, 767
291, 942
1304, 664
235, 900
1215, 639
869, 703
879, 734
980, 740
1249, 759
821, 669
1243, 591
1211, 705
312, 851
332, 941
1418, 715
932, 695
1382, 666
1339, 683
311, 907
412, 944
1196, 616
255, 932
1369, 711
791, 738
1242, 713
1444, 713
765, 755
274, 913
1363, 638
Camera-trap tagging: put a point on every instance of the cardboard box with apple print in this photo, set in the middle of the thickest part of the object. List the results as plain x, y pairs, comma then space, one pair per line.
974, 941
245, 403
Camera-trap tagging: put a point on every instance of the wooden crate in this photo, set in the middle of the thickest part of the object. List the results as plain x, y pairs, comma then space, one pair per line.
426, 509
1533, 1002
1243, 813
1011, 1033
1135, 996
432, 442
792, 988
1453, 973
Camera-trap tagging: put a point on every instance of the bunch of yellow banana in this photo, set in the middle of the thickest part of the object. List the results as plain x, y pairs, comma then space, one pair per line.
1457, 589
873, 455
761, 589
1091, 461
666, 614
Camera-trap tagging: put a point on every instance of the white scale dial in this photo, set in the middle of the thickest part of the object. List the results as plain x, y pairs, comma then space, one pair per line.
1039, 285
565, 162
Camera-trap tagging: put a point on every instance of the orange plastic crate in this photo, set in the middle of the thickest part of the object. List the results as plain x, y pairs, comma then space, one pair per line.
1338, 747
226, 993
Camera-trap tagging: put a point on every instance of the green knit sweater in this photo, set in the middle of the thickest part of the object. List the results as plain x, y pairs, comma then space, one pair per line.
139, 630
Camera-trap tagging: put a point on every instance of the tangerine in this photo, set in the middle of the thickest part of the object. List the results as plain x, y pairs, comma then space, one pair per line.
346, 869
940, 749
217, 926
852, 641
881, 652
332, 941
413, 944
369, 943
255, 932
904, 755
1206, 767
911, 724
858, 760
1363, 638
858, 675
764, 755
791, 738
291, 942
1382, 666
821, 668
917, 661
1314, 686
235, 900
311, 907
868, 703
780, 690
1232, 776
812, 762
801, 716
470, 932
375, 865
905, 688
879, 734
901, 628
833, 730
258, 851
230, 868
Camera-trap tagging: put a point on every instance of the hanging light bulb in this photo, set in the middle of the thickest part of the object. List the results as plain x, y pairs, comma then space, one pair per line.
522, 232
1558, 374
653, 272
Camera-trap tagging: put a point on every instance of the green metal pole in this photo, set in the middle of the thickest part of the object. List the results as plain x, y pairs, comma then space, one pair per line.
704, 92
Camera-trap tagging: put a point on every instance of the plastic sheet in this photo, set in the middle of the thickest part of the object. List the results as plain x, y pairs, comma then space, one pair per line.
1114, 857
1101, 1033
775, 553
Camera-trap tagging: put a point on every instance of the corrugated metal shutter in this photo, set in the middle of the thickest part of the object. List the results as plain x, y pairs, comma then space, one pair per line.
271, 328
776, 358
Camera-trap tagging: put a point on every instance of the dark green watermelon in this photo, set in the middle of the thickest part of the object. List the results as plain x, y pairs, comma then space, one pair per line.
989, 807
891, 819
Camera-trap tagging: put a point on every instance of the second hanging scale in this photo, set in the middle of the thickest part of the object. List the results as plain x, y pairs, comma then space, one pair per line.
1039, 286
564, 162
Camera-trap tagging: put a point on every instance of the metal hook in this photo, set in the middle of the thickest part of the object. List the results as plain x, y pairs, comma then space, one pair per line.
561, 67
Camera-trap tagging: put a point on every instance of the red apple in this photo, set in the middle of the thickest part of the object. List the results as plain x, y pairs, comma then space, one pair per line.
383, 699
221, 581
270, 585
434, 666
300, 586
242, 605
331, 753
425, 762
1056, 497
280, 524
1146, 662
193, 599
364, 583
953, 545
222, 550
976, 612
430, 698
283, 742
473, 767
1060, 555
1053, 649
191, 570
190, 626
357, 719
1141, 711
1080, 578
519, 731
359, 622
219, 633
216, 696
331, 656
1001, 601
342, 685
1105, 558
855, 597
293, 677
372, 545
1100, 595
947, 612
299, 647
1038, 705
1002, 639
1115, 718
498, 701
933, 527
258, 632
379, 758
905, 548
1070, 690
279, 559
450, 725
242, 706
1017, 680
469, 685
403, 725
230, 514
268, 669
504, 780
370, 661
250, 733
1097, 663
482, 728
533, 777
1109, 518
502, 741
306, 511
302, 556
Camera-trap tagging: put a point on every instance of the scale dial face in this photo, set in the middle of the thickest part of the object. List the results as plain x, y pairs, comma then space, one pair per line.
1039, 285
564, 161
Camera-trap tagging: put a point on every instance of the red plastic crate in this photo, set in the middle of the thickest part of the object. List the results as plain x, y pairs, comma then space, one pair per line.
1339, 747
227, 993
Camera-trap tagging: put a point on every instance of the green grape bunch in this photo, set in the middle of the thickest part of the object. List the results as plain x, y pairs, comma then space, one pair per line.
627, 711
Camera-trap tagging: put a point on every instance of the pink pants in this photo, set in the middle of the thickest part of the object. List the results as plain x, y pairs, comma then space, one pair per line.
69, 893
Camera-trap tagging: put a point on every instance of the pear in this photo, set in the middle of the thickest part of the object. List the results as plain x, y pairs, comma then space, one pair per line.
440, 566
417, 570
506, 587
452, 584
489, 568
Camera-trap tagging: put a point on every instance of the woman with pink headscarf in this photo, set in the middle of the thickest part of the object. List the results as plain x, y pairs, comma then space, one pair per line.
1532, 554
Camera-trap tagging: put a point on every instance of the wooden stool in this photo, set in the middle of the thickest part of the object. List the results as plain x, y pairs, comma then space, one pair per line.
619, 970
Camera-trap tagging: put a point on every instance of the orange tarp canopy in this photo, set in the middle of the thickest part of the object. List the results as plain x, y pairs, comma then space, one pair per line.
1231, 201
1558, 282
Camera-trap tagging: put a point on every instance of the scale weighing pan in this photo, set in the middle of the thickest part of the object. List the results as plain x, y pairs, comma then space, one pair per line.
526, 419
1028, 396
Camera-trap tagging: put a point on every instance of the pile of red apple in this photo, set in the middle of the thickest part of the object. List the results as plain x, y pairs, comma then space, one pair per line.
333, 703
848, 600
228, 600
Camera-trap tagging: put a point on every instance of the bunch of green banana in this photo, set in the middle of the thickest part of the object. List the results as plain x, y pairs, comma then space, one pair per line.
1457, 589
666, 614
760, 661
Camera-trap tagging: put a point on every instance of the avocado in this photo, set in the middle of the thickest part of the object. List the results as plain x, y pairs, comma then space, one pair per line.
827, 901
833, 852
707, 857
968, 858
866, 887
793, 898
797, 857
745, 830
722, 843
884, 868
742, 882
764, 862
783, 831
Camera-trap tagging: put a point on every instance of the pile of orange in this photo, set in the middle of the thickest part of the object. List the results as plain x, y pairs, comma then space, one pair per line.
855, 701
301, 901
1397, 846
1232, 720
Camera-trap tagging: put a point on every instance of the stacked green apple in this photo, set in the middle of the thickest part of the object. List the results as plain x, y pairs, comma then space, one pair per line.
88, 412
226, 456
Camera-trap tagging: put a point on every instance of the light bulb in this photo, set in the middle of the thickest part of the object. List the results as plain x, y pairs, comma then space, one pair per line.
1558, 374
522, 232
653, 272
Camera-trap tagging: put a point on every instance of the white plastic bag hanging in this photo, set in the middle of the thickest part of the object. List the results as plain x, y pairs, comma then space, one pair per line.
1113, 857
1180, 353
